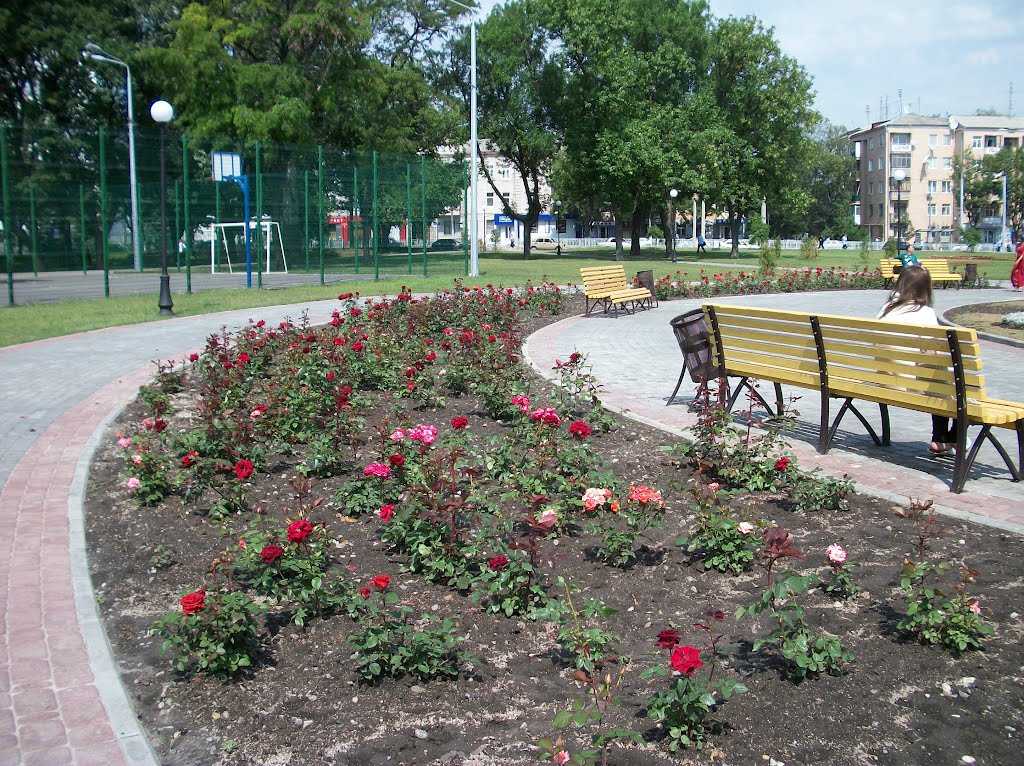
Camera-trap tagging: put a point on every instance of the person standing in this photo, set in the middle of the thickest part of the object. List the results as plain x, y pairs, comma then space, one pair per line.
911, 303
1017, 274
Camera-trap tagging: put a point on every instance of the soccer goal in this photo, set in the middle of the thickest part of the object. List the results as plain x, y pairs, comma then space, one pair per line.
231, 236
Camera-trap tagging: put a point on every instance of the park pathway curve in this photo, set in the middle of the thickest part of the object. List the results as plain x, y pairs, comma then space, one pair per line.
61, 699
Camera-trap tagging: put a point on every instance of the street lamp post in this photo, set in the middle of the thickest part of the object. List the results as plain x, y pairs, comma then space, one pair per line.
96, 53
474, 247
672, 223
1002, 226
163, 113
558, 228
898, 175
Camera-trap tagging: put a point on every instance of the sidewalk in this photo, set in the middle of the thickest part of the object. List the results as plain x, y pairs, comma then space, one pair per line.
61, 700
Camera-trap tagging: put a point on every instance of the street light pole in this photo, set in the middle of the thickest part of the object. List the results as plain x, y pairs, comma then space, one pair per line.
163, 113
474, 170
96, 53
558, 228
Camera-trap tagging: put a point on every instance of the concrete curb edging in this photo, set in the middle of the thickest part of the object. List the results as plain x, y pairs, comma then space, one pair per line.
130, 737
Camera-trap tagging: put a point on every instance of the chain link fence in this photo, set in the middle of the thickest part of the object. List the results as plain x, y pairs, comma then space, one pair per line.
316, 214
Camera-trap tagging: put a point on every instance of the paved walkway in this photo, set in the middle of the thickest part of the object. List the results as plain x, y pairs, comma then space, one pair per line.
61, 701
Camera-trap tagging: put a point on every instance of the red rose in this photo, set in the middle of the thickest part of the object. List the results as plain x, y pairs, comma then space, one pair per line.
497, 563
668, 638
243, 358
159, 425
299, 530
782, 464
381, 582
686, 659
189, 459
386, 512
330, 376
357, 346
271, 553
397, 460
459, 422
365, 592
579, 429
193, 357
193, 602
243, 469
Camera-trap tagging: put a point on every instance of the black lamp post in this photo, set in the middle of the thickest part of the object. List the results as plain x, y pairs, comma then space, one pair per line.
558, 227
163, 113
672, 222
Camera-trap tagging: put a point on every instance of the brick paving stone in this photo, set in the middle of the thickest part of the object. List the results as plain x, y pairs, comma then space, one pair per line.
42, 735
54, 756
84, 735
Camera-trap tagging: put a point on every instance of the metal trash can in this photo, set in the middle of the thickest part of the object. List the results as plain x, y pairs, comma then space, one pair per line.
646, 279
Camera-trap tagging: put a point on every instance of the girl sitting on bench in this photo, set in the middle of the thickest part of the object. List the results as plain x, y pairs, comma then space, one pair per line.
911, 303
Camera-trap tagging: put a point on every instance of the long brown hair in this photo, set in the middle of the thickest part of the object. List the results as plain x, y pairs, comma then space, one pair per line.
913, 288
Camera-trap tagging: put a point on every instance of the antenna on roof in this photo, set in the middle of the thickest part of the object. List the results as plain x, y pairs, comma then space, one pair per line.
899, 96
867, 111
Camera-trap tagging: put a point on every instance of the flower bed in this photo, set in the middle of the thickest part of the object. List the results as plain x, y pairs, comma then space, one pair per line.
382, 538
704, 285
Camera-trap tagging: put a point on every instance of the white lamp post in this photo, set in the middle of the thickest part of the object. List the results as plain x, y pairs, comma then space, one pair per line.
163, 113
474, 247
96, 53
1002, 227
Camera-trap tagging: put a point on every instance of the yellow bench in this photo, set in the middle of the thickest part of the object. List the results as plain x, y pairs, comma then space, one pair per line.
938, 268
936, 370
607, 286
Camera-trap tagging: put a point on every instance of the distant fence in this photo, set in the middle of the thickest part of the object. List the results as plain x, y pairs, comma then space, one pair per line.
316, 213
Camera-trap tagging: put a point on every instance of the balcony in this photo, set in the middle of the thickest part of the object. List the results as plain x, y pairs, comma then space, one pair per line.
904, 191
903, 148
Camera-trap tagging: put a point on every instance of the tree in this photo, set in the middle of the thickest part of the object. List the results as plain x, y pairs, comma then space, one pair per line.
630, 117
826, 180
518, 84
763, 114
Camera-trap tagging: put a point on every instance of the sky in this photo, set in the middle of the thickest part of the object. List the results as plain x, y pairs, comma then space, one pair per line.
948, 57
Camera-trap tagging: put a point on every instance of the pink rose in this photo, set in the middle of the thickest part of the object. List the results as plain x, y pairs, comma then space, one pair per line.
561, 758
547, 520
594, 497
835, 553
714, 486
745, 527
379, 470
133, 483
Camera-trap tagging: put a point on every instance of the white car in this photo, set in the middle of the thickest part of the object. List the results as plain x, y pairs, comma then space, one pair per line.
543, 243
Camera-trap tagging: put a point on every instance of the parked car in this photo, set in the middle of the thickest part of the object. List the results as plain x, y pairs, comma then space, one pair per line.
446, 244
543, 243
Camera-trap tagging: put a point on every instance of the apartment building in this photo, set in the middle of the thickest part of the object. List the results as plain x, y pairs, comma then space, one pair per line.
920, 150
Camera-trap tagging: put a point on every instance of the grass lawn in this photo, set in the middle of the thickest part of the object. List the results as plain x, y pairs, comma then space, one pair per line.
20, 324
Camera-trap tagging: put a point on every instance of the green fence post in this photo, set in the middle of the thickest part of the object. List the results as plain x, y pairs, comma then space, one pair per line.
465, 215
357, 245
81, 213
408, 212
320, 209
102, 211
8, 252
305, 215
188, 214
259, 219
33, 238
374, 231
177, 225
423, 208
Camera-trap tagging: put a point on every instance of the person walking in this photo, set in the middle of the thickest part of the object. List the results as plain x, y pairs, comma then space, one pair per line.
1017, 274
911, 303
701, 243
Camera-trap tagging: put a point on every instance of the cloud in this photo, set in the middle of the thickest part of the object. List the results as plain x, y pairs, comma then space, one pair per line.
987, 57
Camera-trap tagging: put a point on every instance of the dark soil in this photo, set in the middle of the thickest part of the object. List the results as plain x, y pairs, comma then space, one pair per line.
988, 317
899, 703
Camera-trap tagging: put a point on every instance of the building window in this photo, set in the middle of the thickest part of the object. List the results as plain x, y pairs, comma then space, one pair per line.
933, 186
947, 140
900, 139
871, 143
899, 161
871, 188
931, 209
933, 163
947, 186
991, 142
947, 209
976, 142
947, 163
881, 162
933, 139
871, 165
490, 199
